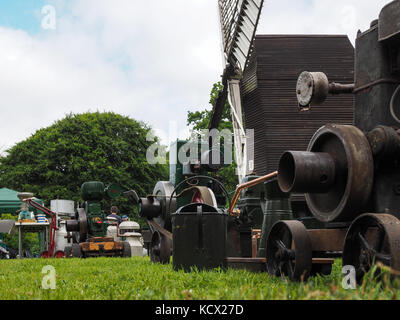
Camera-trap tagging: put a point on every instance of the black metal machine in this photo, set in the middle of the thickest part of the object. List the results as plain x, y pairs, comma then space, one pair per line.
190, 183
350, 174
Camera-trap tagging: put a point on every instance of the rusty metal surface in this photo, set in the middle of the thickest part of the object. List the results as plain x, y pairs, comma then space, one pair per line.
101, 239
323, 261
378, 75
101, 246
306, 172
269, 92
350, 194
327, 240
336, 173
389, 26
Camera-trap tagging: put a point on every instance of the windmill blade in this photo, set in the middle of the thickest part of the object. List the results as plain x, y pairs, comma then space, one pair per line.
219, 104
239, 20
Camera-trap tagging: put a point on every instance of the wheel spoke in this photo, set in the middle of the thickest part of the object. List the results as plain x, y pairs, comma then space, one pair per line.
364, 243
288, 253
281, 245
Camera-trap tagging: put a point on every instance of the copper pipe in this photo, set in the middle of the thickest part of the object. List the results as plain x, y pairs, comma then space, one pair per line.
250, 184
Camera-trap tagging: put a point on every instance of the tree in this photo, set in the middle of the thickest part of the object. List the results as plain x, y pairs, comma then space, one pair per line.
200, 120
55, 161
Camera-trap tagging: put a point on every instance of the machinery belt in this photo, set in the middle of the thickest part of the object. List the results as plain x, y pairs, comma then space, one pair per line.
160, 229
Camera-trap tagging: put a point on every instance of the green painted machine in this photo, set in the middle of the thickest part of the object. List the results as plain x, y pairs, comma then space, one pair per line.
90, 225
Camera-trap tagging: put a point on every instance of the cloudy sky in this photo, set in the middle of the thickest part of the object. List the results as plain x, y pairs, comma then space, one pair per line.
150, 60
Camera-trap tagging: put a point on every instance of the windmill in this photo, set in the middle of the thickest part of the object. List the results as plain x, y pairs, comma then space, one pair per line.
239, 20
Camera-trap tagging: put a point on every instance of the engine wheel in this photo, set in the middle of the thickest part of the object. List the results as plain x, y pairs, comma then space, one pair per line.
126, 253
289, 251
373, 238
76, 251
160, 248
68, 251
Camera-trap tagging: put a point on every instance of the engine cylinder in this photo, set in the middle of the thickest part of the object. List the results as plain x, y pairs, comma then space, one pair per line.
306, 172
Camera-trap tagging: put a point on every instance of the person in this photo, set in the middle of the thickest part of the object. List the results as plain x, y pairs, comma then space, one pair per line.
114, 214
125, 218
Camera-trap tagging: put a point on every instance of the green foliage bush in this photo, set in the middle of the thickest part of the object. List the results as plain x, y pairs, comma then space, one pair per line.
55, 161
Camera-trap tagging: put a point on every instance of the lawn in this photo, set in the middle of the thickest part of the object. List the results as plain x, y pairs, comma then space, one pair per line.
139, 279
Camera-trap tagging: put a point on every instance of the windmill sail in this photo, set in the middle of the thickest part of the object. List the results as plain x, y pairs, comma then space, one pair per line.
239, 20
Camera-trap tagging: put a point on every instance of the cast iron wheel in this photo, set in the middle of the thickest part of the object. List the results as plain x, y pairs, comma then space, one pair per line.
289, 251
68, 251
373, 238
76, 251
160, 248
163, 191
126, 251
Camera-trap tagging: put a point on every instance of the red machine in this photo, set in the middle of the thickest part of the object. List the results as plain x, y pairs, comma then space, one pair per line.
51, 252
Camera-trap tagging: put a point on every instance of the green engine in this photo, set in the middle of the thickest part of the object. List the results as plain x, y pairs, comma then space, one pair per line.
90, 225
93, 193
91, 220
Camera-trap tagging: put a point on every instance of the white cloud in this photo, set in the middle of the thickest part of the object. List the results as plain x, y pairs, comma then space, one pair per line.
319, 16
151, 60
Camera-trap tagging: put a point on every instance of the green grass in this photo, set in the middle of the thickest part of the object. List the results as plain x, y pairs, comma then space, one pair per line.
139, 279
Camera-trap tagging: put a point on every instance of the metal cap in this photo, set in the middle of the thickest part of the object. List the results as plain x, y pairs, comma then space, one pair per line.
312, 88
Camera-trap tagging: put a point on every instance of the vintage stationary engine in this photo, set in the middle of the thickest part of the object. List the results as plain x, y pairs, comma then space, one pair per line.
350, 174
90, 225
190, 182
